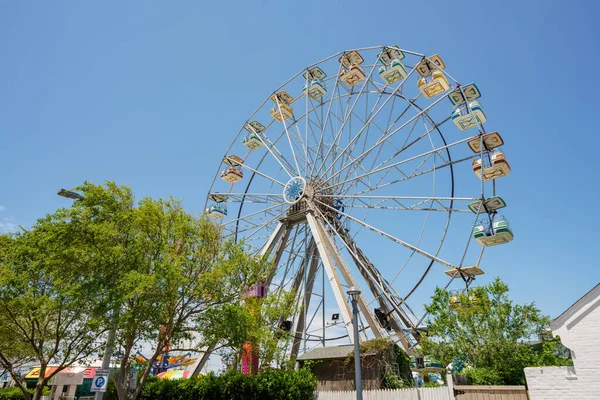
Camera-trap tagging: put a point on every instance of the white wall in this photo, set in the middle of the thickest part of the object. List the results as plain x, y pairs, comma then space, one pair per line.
580, 332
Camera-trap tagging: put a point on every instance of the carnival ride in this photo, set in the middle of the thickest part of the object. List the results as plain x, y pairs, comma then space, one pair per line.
348, 158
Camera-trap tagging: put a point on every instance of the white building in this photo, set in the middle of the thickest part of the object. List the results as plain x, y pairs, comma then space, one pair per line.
579, 330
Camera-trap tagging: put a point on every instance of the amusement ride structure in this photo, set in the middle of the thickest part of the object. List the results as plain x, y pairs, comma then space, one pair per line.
370, 168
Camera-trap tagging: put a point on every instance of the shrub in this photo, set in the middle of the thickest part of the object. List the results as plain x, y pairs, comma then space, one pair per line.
11, 393
14, 393
483, 376
276, 385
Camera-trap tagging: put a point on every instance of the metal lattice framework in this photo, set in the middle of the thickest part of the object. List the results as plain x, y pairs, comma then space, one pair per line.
343, 175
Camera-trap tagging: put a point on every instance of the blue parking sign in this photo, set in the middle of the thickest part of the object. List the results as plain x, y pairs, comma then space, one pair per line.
100, 381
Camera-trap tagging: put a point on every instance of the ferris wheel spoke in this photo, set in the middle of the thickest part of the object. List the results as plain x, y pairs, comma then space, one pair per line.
415, 174
383, 291
387, 235
384, 168
398, 202
257, 172
405, 146
391, 134
267, 198
287, 134
263, 226
357, 164
346, 117
324, 125
358, 134
349, 155
368, 115
251, 215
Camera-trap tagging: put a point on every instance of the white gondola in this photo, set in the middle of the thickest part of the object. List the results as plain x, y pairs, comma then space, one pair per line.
234, 173
281, 112
470, 92
454, 299
282, 109
490, 204
254, 127
316, 89
252, 141
427, 66
438, 84
466, 118
494, 233
217, 211
497, 168
352, 74
394, 73
490, 141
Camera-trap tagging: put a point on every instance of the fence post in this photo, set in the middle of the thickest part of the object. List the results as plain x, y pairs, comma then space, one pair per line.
450, 383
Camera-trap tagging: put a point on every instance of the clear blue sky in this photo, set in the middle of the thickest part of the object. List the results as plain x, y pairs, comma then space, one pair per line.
150, 94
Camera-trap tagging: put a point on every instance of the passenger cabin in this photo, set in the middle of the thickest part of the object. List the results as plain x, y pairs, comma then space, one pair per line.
493, 233
454, 299
217, 211
394, 73
352, 74
468, 117
497, 168
463, 94
282, 109
392, 70
252, 141
234, 173
437, 84
490, 141
316, 88
489, 205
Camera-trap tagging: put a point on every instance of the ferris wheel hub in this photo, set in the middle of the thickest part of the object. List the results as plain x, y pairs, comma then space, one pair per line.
294, 190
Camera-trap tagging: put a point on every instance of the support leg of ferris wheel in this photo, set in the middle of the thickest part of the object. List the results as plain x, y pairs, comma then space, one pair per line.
201, 361
326, 248
386, 301
312, 259
308, 288
280, 235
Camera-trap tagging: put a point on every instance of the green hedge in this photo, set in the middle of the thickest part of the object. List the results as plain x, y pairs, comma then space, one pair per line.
14, 393
276, 385
11, 393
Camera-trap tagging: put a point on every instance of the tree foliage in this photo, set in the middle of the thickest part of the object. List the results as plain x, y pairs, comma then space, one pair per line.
149, 270
48, 313
488, 333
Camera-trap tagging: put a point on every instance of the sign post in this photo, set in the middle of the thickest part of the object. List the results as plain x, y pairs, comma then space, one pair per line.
100, 381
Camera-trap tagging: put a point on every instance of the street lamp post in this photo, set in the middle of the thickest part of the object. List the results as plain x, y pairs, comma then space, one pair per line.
354, 292
110, 340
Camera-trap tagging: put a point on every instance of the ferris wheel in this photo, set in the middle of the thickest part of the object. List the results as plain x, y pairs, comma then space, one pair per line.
371, 168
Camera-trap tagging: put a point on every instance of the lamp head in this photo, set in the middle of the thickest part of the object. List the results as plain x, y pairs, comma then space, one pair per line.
354, 292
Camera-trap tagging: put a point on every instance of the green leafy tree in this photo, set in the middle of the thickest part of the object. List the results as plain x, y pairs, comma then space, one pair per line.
166, 274
48, 311
227, 327
487, 332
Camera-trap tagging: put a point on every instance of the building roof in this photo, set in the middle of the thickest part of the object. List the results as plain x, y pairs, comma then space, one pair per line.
586, 299
331, 352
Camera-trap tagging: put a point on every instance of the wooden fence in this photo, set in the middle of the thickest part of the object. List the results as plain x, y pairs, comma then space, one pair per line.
441, 393
464, 392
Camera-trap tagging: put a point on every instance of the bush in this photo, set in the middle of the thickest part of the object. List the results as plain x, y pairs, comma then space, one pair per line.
276, 385
483, 376
11, 393
14, 393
